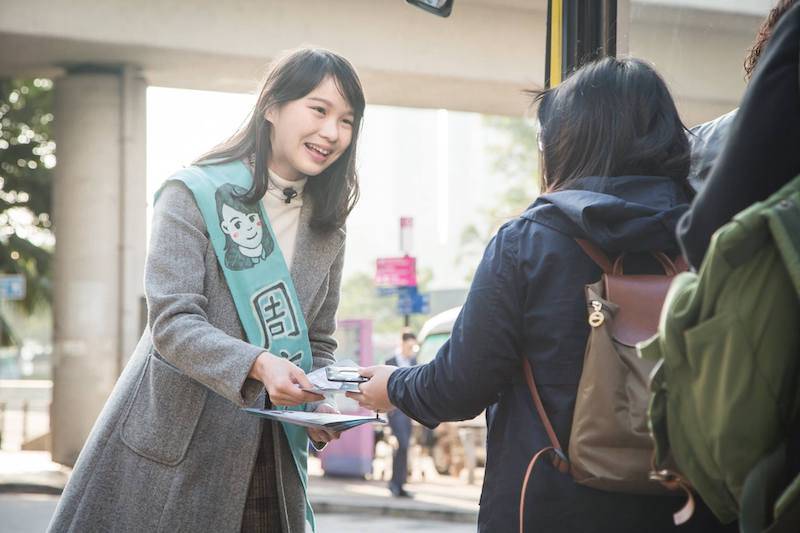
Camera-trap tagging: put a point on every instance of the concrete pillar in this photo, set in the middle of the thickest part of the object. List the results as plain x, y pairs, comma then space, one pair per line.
99, 203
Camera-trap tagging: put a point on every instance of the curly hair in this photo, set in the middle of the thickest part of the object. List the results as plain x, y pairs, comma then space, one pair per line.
764, 33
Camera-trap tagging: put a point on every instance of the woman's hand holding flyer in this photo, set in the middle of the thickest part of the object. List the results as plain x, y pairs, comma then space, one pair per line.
283, 380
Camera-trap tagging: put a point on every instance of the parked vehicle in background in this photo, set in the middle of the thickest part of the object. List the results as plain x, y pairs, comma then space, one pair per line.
434, 333
453, 445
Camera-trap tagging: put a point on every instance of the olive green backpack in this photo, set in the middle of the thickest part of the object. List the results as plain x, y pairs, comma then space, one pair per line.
725, 390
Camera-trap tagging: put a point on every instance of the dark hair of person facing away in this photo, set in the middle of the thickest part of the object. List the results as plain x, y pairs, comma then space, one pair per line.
763, 35
334, 192
612, 117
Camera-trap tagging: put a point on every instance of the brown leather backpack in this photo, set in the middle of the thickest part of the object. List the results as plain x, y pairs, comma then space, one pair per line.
610, 447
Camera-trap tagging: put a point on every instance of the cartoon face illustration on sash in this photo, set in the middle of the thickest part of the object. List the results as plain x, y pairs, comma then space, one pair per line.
247, 241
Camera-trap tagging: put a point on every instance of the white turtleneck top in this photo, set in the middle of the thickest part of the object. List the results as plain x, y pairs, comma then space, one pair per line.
284, 218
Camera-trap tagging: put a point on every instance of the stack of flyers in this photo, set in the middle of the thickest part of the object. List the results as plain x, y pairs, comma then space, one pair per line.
328, 421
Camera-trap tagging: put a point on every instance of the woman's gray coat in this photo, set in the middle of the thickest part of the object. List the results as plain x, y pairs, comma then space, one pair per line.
171, 451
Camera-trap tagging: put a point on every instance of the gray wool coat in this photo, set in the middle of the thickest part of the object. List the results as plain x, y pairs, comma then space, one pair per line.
171, 451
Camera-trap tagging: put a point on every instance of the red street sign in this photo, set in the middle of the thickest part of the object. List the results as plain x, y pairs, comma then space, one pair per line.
396, 272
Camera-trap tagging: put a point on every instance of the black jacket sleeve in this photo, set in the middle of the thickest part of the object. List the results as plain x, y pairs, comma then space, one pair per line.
481, 356
761, 153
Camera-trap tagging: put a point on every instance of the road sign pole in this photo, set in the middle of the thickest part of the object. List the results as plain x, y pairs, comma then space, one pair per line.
406, 235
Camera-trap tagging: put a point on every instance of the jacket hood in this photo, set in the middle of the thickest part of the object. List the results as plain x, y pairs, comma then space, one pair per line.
622, 213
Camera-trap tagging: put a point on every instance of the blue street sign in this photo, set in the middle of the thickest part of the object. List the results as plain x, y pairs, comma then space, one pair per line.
407, 293
410, 302
422, 305
12, 287
387, 291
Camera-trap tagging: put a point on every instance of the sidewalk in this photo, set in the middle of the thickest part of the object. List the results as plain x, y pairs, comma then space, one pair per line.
442, 498
31, 472
445, 498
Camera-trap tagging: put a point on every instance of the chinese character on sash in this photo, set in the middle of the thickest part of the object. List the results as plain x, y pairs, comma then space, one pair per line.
276, 314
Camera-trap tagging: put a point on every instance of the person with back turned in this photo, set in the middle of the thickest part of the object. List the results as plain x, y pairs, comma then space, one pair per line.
399, 422
615, 161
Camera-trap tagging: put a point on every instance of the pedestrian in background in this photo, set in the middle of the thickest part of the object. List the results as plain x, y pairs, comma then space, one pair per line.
405, 356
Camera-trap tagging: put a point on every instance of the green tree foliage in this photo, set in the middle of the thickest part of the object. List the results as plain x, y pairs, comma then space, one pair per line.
360, 299
27, 158
514, 158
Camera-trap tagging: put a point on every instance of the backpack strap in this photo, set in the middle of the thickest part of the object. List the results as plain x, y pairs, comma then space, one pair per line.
680, 264
670, 267
535, 458
597, 255
559, 459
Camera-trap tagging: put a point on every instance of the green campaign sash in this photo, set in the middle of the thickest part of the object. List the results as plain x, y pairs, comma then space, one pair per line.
257, 276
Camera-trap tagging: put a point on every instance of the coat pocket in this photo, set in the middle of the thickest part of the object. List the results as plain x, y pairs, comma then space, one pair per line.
163, 413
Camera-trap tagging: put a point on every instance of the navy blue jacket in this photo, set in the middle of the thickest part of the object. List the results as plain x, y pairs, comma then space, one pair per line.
527, 300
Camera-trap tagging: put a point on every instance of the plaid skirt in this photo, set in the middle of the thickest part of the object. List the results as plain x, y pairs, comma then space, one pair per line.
262, 510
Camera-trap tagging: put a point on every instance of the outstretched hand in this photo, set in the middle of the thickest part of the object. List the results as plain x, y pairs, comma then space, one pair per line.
283, 380
374, 393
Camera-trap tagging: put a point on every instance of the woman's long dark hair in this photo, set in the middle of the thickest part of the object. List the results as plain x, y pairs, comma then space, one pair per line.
334, 192
612, 117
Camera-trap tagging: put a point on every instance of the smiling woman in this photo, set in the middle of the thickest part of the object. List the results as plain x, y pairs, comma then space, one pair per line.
242, 282
309, 133
306, 123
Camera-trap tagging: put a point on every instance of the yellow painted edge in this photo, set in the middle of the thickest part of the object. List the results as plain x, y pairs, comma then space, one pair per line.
556, 40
